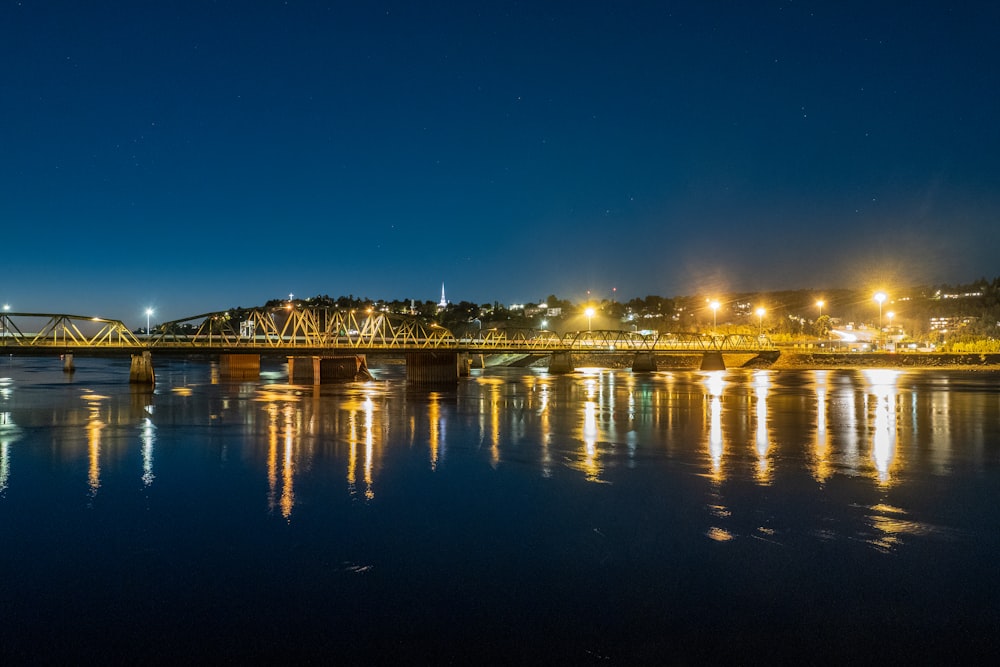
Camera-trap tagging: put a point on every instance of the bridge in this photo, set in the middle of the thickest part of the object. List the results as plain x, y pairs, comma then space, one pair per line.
327, 333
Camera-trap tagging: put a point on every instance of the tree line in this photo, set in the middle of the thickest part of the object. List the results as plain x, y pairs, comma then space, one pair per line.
973, 310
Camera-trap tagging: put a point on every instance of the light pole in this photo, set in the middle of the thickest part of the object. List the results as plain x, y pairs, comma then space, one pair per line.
760, 322
880, 297
3, 323
149, 311
590, 314
820, 304
715, 307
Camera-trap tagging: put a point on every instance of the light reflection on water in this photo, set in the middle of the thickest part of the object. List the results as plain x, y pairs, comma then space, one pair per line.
622, 421
671, 483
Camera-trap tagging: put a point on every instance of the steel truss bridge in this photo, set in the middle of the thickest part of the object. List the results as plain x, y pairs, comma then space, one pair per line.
326, 331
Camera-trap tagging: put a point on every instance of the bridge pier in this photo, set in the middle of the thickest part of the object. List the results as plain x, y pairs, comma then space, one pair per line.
321, 370
141, 370
644, 362
67, 360
464, 364
561, 362
432, 368
713, 361
239, 366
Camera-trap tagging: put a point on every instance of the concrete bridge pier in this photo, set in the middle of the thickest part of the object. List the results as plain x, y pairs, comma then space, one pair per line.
644, 362
713, 361
561, 362
67, 360
239, 366
432, 368
321, 370
141, 371
464, 364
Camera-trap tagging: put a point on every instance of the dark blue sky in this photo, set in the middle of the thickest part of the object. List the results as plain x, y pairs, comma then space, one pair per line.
197, 156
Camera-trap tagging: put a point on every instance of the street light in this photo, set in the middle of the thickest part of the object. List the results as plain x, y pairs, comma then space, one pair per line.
890, 315
590, 314
820, 304
880, 297
760, 322
149, 311
714, 306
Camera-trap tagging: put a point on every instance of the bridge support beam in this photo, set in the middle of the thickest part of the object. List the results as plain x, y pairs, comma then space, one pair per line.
464, 364
321, 370
644, 362
432, 368
141, 371
561, 362
67, 360
713, 361
239, 366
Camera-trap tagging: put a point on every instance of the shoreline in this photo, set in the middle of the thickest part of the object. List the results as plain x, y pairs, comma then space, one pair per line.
781, 360
888, 360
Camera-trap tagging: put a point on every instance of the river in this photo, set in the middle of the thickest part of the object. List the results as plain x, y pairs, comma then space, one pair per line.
519, 517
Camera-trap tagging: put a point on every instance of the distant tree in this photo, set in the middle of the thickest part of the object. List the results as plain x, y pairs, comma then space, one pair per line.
552, 301
821, 327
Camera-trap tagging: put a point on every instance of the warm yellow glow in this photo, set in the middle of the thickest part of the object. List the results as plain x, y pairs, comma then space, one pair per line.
590, 466
761, 384
714, 383
94, 428
821, 449
495, 425
714, 305
434, 415
288, 464
719, 534
589, 312
369, 448
760, 312
880, 297
546, 430
272, 456
882, 384
352, 451
820, 304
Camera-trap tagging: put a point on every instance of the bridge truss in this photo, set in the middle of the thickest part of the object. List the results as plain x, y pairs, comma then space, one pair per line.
286, 329
63, 331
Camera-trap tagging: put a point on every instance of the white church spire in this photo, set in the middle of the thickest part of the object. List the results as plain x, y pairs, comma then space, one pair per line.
444, 302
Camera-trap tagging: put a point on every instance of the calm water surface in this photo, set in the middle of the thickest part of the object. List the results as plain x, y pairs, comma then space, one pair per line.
749, 516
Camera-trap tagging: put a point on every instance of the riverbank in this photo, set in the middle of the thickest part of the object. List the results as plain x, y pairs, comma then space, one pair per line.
886, 360
776, 360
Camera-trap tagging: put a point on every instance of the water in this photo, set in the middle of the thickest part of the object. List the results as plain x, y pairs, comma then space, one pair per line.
601, 517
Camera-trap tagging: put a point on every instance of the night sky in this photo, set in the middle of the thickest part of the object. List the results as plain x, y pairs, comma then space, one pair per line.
192, 157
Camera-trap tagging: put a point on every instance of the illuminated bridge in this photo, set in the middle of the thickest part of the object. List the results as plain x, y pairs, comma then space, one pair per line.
322, 333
